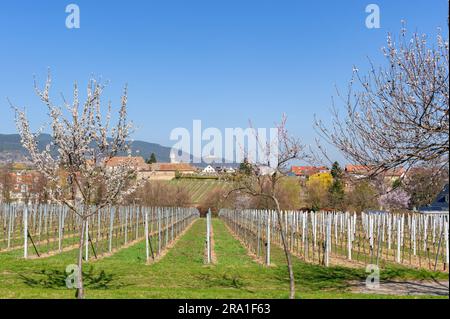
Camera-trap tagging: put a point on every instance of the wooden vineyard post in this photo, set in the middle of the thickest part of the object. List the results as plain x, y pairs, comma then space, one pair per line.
25, 232
336, 217
137, 221
60, 230
147, 252
292, 223
419, 228
10, 210
402, 237
50, 227
46, 215
268, 240
172, 225
314, 230
126, 211
349, 238
379, 240
425, 233
151, 222
99, 220
446, 242
258, 236
167, 227
208, 237
371, 241
304, 219
159, 231
111, 220
176, 223
398, 239
286, 228
306, 237
413, 226
327, 240
389, 221
86, 241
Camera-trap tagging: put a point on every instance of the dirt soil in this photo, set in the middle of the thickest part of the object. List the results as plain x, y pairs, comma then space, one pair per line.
404, 288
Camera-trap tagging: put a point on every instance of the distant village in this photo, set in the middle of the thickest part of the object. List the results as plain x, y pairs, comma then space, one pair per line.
20, 182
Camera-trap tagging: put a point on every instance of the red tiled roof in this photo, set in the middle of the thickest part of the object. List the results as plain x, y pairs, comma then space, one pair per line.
307, 170
357, 168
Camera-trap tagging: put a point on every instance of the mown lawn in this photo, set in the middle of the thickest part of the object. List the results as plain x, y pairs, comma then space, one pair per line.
182, 274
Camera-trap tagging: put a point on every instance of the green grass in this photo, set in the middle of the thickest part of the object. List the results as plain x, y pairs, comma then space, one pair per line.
182, 274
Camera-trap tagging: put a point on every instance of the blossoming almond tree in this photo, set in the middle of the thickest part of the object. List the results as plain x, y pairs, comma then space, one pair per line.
264, 181
397, 115
76, 162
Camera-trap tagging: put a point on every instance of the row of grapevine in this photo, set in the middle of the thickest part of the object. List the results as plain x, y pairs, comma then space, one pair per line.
199, 188
413, 239
46, 229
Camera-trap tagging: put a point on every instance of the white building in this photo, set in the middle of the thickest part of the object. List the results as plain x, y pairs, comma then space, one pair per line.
209, 170
230, 170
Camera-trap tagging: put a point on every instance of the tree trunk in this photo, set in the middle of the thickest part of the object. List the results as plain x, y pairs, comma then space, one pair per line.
286, 253
80, 288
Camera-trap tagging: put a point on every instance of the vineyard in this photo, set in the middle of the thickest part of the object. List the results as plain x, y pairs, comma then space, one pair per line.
43, 230
150, 252
411, 240
199, 188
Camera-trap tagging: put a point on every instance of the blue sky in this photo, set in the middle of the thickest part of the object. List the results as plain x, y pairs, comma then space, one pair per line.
221, 61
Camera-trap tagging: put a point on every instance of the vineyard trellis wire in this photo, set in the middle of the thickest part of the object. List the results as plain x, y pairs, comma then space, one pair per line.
410, 239
46, 229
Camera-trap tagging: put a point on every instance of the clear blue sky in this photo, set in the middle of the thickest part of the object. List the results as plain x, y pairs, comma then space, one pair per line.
221, 61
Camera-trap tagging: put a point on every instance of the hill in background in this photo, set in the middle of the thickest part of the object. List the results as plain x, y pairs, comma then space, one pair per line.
11, 149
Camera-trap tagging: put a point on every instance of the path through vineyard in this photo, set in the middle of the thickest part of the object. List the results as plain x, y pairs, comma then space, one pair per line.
181, 273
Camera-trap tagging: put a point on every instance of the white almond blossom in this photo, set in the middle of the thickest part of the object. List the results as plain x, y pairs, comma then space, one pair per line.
397, 115
77, 161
